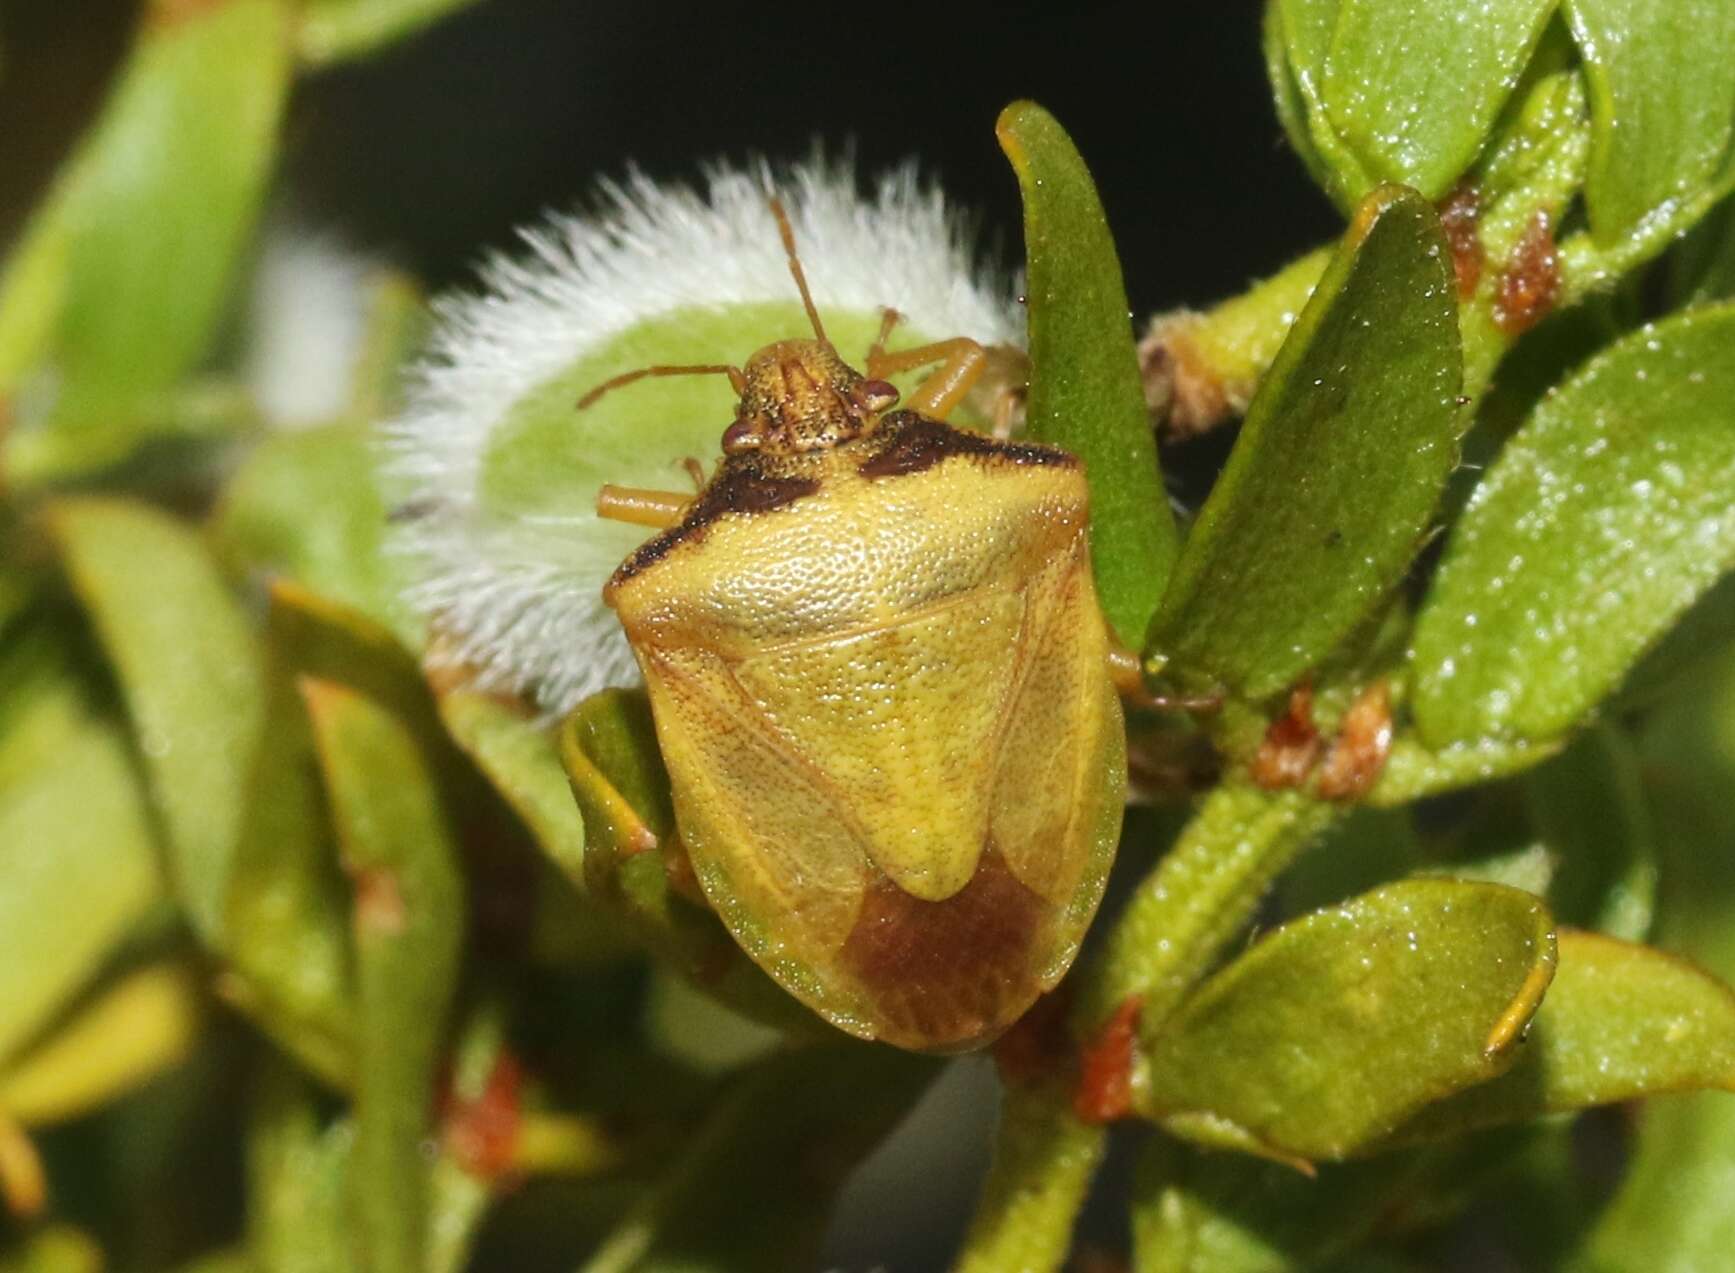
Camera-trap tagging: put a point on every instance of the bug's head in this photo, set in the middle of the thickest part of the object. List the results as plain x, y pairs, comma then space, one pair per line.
799, 395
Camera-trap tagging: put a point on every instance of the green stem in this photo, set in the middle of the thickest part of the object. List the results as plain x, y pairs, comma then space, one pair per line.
1199, 896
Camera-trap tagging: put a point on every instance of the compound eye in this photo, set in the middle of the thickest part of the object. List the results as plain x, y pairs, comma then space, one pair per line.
740, 436
877, 395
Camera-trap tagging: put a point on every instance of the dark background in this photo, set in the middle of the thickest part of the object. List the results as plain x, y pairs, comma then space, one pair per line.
437, 148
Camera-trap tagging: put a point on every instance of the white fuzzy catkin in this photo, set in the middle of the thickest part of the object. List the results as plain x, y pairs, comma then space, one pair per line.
514, 613
308, 319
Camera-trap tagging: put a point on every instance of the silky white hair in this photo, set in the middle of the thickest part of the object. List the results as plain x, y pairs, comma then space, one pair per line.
519, 603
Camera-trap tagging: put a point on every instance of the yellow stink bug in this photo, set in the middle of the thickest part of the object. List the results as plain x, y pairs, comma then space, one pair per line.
880, 681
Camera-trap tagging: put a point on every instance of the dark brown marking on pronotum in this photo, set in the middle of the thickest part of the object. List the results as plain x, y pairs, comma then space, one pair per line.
1461, 219
1530, 283
746, 484
941, 971
909, 443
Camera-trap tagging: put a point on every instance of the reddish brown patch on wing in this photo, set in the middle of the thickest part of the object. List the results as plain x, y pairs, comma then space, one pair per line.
948, 975
1460, 214
1363, 742
1291, 745
1105, 1086
1531, 282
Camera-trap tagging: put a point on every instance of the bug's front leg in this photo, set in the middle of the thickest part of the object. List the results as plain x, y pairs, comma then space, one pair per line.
964, 364
656, 509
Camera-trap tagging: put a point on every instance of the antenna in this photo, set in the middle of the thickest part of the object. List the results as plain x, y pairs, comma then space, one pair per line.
788, 236
627, 377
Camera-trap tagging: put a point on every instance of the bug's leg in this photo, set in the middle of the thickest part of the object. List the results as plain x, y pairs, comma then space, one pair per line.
1129, 680
889, 318
695, 470
962, 362
656, 509
1006, 404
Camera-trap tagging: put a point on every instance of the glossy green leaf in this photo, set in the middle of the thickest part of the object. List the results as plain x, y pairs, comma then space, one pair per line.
1662, 81
801, 1122
1287, 96
306, 506
192, 675
1329, 490
333, 30
1702, 633
409, 920
149, 225
1086, 392
1606, 515
118, 1040
1620, 1021
1338, 1026
609, 749
1588, 804
1306, 28
1413, 87
1703, 266
298, 1170
78, 869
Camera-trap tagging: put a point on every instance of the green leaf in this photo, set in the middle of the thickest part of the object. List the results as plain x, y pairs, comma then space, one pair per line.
55, 1248
1413, 87
801, 1122
147, 227
1620, 1021
409, 920
191, 672
1329, 489
120, 1039
1703, 266
1662, 82
297, 1179
334, 30
1338, 1026
1086, 393
1588, 803
1306, 28
306, 506
77, 870
1603, 519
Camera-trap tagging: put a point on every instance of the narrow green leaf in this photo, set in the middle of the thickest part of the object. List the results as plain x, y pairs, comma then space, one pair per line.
1306, 29
1287, 96
297, 1179
409, 918
1588, 803
1338, 1026
306, 506
1620, 1021
77, 870
120, 1039
334, 30
1662, 82
1606, 515
1085, 389
191, 672
1345, 449
801, 1121
1413, 87
149, 223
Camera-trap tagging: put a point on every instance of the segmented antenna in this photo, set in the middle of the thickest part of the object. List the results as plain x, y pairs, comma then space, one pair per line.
736, 379
788, 236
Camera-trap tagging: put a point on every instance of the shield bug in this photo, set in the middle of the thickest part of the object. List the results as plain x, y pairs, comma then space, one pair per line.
880, 681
